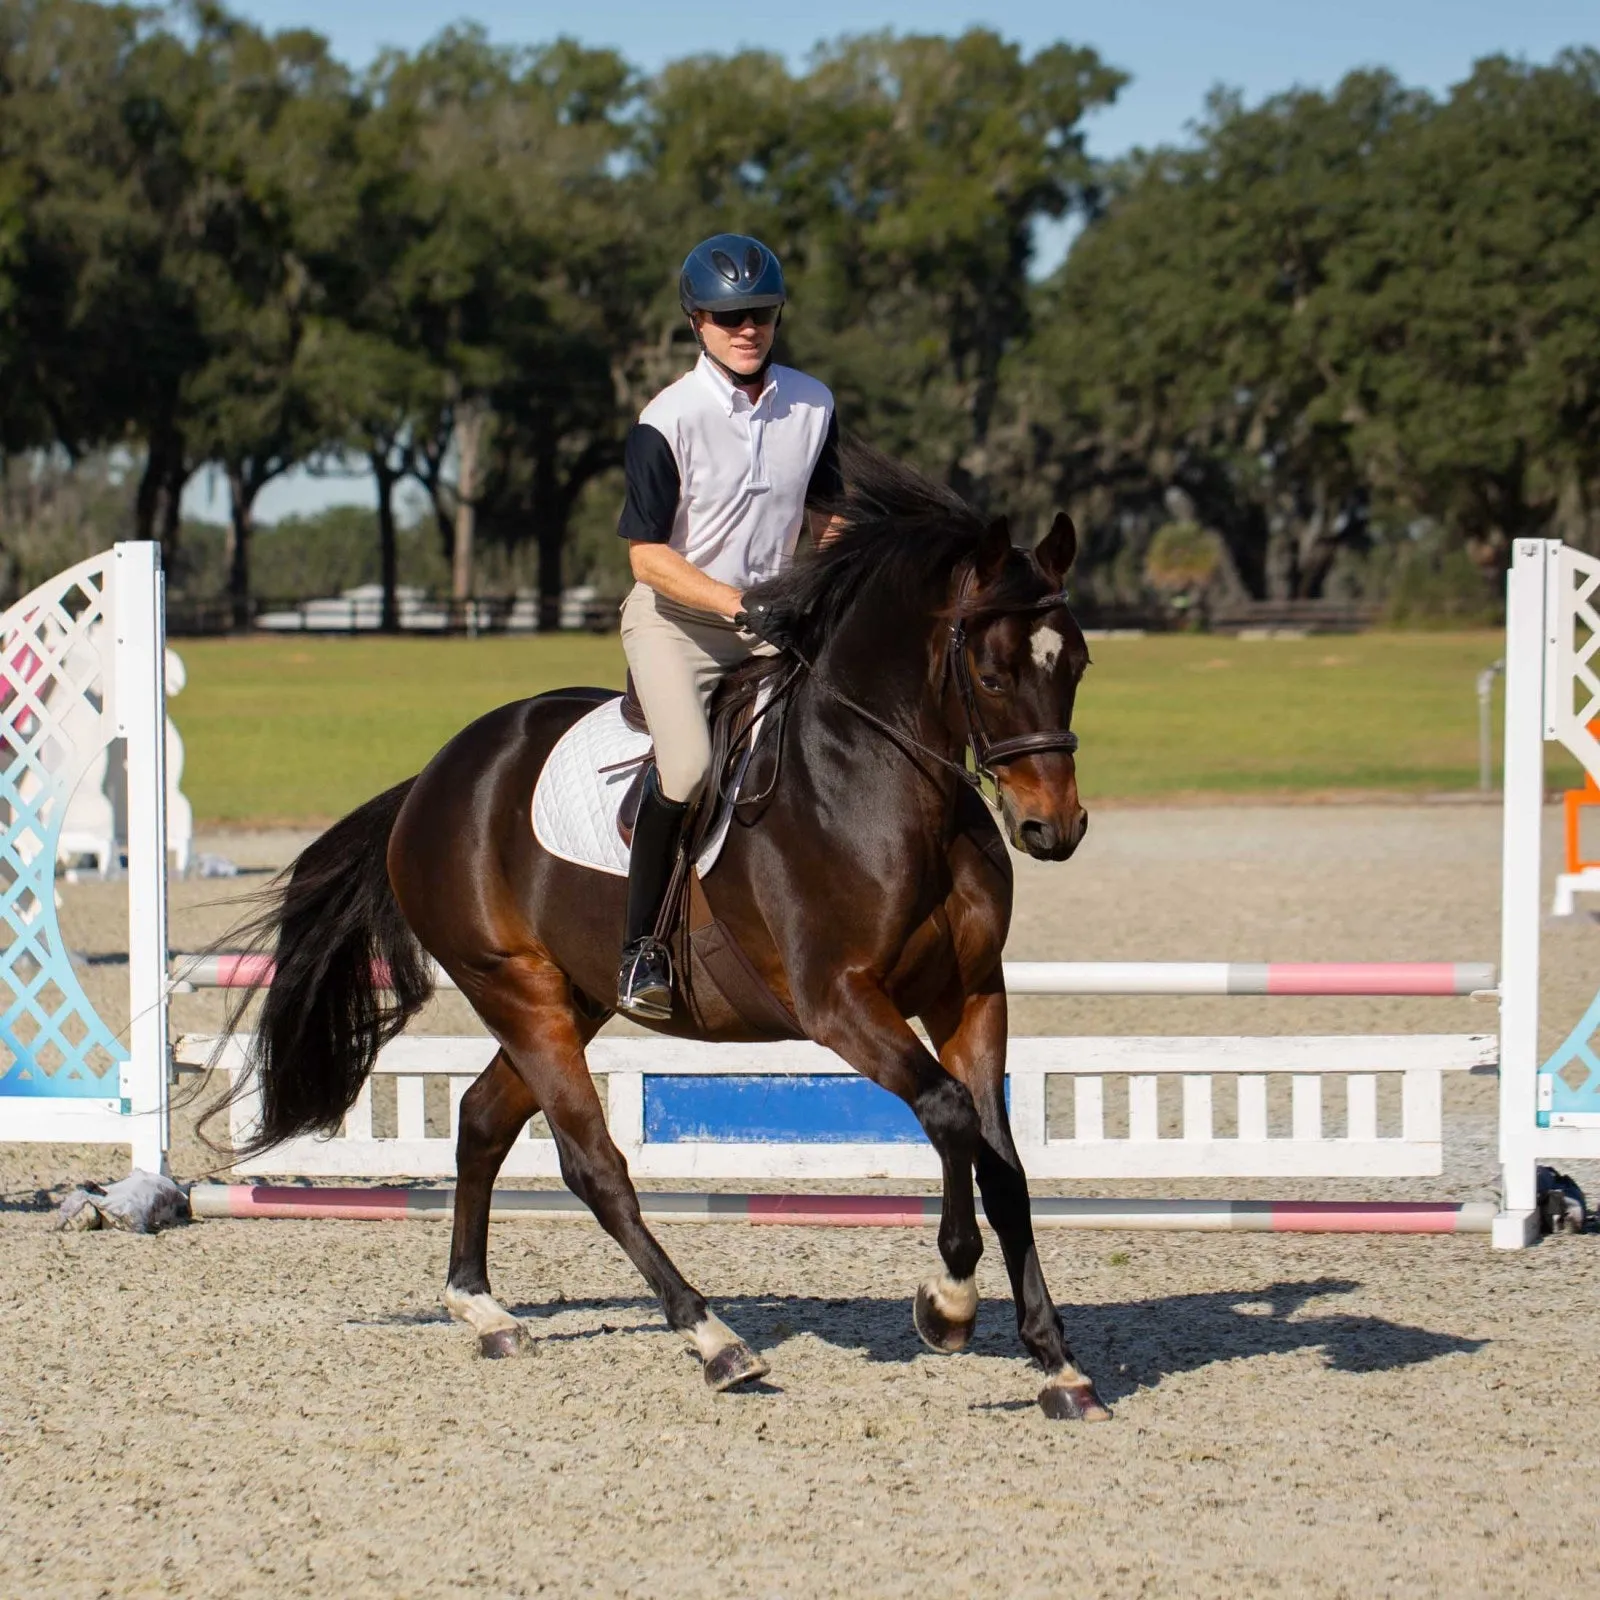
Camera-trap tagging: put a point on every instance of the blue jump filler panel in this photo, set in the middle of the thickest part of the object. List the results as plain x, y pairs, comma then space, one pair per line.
803, 1108
761, 1108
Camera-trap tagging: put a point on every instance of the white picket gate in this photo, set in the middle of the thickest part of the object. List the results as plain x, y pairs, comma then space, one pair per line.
1308, 1107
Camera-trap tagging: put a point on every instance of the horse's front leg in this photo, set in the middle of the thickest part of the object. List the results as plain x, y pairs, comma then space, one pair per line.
970, 1032
859, 1022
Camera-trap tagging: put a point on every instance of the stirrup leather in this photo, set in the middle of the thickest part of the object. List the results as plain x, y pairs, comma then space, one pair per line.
644, 984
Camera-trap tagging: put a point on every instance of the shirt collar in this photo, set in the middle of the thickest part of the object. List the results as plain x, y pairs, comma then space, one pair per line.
722, 386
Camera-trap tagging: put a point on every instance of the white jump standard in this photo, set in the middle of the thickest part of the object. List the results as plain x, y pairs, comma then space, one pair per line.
1549, 1112
81, 666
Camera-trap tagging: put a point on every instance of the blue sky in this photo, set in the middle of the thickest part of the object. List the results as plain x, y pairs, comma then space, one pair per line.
1174, 51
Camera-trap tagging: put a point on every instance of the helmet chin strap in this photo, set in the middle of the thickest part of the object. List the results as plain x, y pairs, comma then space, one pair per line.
741, 379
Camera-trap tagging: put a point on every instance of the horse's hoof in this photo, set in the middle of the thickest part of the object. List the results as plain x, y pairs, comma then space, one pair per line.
1073, 1402
503, 1342
942, 1327
732, 1365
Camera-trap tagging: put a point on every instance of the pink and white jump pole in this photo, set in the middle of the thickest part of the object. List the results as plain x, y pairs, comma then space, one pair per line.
1284, 978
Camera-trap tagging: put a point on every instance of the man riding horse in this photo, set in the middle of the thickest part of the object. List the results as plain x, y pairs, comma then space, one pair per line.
871, 892
723, 467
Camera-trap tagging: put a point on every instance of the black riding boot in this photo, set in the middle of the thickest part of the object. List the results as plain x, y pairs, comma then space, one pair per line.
644, 985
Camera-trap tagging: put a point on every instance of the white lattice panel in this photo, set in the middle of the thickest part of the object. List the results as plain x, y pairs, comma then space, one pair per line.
56, 697
79, 668
1572, 643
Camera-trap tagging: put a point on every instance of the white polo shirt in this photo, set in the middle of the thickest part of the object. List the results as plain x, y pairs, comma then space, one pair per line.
725, 481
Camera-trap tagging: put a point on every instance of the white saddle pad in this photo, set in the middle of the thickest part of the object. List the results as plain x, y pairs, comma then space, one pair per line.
575, 804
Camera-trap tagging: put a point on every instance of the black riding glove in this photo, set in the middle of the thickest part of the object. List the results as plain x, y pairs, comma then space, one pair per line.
771, 623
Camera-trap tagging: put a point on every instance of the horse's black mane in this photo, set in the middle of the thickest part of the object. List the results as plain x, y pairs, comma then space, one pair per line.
901, 531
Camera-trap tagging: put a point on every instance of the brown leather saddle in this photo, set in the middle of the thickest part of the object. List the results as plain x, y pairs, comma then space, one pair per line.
717, 983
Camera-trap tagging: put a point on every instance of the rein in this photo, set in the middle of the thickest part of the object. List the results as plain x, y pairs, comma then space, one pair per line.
987, 753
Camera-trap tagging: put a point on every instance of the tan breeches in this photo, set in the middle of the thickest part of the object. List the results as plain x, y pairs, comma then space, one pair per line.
676, 656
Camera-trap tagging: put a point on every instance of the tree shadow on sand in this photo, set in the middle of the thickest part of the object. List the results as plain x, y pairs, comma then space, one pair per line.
1127, 1344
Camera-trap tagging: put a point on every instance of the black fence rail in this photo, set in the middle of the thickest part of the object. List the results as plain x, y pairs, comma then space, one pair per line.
1234, 616
421, 614
1309, 616
443, 616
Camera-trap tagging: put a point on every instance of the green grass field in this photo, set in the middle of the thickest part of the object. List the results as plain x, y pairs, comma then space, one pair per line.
300, 730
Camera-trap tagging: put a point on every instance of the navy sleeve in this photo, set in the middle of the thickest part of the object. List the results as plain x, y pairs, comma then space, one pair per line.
827, 482
653, 486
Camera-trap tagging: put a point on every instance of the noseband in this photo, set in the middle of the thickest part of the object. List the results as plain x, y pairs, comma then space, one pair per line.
988, 753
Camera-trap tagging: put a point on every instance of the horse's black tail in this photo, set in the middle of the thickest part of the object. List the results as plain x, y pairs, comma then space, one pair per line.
348, 974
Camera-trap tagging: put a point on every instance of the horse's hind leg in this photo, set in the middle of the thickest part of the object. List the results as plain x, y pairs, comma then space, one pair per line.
527, 1003
493, 1112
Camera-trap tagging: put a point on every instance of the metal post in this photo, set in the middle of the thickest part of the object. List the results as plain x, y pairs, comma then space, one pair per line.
1486, 725
139, 687
1526, 631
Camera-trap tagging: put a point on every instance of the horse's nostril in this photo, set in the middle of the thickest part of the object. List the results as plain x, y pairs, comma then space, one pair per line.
1038, 838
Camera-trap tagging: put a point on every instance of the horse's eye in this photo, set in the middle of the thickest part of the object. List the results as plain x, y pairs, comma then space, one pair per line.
990, 682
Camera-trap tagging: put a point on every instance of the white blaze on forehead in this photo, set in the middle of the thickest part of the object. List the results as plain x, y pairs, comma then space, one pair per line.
1047, 647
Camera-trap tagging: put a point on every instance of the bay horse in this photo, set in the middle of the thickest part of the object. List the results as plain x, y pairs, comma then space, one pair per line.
875, 889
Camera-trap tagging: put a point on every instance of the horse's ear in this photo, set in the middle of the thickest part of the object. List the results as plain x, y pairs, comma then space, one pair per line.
994, 550
1058, 549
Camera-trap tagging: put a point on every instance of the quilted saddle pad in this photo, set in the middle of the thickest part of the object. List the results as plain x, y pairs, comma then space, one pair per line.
575, 803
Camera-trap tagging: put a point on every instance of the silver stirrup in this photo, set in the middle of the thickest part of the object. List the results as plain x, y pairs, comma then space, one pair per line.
652, 1002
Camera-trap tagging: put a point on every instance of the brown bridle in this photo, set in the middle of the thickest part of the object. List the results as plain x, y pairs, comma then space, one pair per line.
986, 752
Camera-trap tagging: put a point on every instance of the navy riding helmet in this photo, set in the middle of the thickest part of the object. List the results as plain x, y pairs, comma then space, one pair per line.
730, 272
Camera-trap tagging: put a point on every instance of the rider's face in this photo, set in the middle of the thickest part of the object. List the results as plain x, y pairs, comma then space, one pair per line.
744, 348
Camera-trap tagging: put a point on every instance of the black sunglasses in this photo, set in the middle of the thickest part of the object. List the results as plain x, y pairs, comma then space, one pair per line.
759, 315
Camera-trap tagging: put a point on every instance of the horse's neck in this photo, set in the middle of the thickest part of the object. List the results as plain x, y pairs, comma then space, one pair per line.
890, 662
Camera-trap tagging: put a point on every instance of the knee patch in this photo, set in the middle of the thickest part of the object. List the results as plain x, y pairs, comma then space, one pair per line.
948, 1113
682, 773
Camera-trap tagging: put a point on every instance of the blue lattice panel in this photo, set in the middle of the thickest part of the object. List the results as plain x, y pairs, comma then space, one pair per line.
1569, 1082
55, 649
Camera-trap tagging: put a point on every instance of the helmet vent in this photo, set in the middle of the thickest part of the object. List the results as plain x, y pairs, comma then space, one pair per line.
729, 271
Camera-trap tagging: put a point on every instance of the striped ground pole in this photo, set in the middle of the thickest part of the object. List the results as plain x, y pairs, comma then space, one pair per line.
1350, 978
240, 1200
